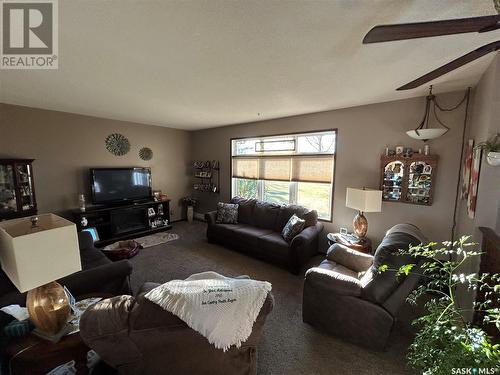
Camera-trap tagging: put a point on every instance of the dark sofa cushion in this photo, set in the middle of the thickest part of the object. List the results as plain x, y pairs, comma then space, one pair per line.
292, 228
250, 235
287, 211
227, 213
90, 259
225, 230
274, 245
266, 215
311, 218
245, 209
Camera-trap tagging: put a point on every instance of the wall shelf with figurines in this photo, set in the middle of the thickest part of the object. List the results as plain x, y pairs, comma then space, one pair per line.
408, 177
207, 175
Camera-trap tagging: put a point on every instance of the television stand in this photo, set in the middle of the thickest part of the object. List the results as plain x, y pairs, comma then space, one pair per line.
117, 223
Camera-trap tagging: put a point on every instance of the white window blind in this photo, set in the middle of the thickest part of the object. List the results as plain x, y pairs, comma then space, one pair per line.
304, 168
304, 161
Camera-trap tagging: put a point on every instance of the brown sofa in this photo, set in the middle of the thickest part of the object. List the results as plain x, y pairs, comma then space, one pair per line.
136, 336
258, 232
347, 296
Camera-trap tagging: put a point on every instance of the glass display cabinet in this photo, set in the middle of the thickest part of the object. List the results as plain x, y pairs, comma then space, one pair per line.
17, 188
408, 179
393, 180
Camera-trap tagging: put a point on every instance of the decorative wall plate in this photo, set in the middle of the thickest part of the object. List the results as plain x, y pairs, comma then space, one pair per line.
117, 144
146, 153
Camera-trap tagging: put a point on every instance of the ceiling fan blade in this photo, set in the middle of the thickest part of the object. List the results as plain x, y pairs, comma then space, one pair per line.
457, 63
386, 33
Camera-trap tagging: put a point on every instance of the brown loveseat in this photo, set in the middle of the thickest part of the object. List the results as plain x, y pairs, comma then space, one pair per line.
136, 336
346, 295
258, 232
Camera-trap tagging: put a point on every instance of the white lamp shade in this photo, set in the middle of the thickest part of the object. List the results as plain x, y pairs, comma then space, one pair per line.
34, 257
423, 134
364, 200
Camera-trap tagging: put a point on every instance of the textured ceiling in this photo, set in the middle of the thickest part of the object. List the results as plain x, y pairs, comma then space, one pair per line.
199, 64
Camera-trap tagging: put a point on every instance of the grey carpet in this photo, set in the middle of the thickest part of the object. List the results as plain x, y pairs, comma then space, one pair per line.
288, 345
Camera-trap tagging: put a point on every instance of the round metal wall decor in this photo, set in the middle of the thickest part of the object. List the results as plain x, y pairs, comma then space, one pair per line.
117, 144
146, 153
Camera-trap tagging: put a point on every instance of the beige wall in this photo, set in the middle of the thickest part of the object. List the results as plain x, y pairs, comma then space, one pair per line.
484, 122
66, 145
363, 133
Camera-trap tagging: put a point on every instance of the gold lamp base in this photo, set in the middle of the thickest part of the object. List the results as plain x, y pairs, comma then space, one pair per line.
360, 226
49, 308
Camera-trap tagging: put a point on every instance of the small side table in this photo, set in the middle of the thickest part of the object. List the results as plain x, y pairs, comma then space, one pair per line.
364, 247
33, 355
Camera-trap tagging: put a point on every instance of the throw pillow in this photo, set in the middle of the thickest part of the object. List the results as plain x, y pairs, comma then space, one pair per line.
227, 213
292, 228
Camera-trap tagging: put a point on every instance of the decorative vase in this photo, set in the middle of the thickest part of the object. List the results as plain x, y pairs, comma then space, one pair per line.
190, 214
81, 202
427, 150
493, 158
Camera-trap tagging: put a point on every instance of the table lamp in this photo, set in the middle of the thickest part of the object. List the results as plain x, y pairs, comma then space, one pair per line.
33, 253
363, 200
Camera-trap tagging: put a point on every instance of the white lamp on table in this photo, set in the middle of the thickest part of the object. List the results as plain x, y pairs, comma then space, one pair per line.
33, 253
363, 200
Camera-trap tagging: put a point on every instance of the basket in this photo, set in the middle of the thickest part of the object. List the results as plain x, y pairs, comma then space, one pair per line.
122, 250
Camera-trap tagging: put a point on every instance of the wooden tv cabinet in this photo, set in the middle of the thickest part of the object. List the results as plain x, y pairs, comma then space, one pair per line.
122, 222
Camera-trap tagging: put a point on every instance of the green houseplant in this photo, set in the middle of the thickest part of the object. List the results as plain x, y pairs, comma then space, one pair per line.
492, 149
446, 342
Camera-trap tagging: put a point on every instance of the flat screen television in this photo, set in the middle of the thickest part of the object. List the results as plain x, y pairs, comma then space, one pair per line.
114, 185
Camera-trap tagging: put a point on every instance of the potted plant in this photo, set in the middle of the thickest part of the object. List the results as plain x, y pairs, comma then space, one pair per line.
446, 341
492, 149
190, 202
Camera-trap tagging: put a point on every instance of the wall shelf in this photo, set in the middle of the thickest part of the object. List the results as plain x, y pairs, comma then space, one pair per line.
208, 175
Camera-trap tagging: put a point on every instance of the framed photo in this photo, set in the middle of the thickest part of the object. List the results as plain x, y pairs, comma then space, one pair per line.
156, 195
151, 212
407, 152
399, 150
466, 169
474, 182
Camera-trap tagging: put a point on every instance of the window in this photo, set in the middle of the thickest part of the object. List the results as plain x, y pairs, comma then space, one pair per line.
295, 168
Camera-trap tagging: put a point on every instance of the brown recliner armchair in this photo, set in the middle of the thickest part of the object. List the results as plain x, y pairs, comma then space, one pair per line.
347, 296
136, 336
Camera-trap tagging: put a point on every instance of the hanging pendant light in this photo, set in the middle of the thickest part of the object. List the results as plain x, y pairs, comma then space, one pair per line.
423, 132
